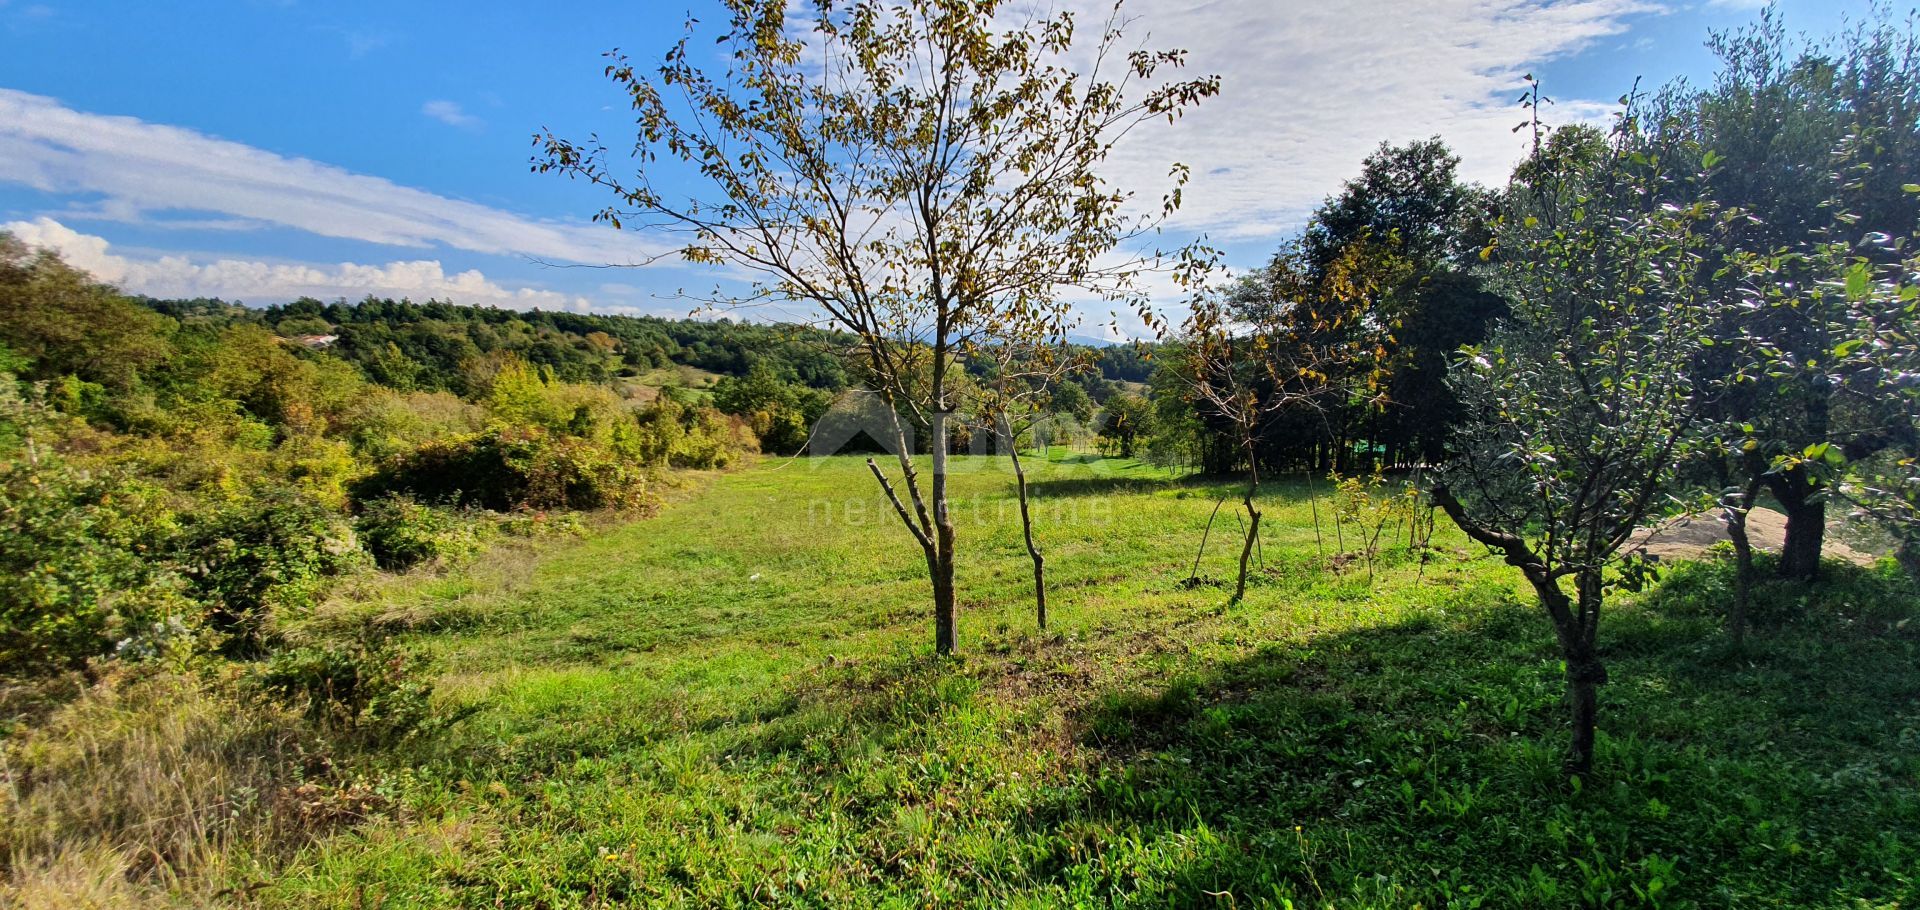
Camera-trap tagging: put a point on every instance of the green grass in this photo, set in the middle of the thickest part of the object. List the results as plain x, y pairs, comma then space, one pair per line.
734, 704
680, 376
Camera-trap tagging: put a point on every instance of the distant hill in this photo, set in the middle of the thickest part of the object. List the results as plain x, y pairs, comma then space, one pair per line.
438, 346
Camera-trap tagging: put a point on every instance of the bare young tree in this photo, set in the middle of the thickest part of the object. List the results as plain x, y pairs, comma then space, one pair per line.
914, 171
1027, 365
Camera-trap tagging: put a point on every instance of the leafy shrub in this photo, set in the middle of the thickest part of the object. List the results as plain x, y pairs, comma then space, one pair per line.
523, 395
248, 365
257, 559
1371, 515
512, 468
363, 686
400, 532
389, 423
78, 566
670, 433
780, 413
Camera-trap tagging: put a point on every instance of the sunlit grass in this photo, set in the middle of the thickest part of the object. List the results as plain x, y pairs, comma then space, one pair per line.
735, 703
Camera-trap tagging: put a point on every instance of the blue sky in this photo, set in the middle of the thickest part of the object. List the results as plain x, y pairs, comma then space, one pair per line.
261, 150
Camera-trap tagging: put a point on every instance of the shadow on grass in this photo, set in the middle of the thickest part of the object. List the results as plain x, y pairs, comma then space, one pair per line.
1416, 763
1209, 486
1419, 763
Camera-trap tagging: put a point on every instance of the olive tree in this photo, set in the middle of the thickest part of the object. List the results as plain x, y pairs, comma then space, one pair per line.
1582, 404
915, 172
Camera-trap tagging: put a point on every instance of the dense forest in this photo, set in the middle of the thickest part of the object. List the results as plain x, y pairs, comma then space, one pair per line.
1702, 309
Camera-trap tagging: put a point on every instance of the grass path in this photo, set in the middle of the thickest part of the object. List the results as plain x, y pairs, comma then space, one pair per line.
732, 704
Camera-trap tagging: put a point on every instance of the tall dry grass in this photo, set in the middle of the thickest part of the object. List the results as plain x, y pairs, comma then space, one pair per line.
148, 789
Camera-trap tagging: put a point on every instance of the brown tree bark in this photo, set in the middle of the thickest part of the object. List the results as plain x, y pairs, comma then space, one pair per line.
1799, 491
1576, 624
1583, 696
1253, 527
1908, 556
944, 618
1806, 522
1742, 563
1033, 549
933, 529
1585, 672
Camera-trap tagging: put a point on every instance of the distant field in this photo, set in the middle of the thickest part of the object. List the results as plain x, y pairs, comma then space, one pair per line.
733, 704
678, 375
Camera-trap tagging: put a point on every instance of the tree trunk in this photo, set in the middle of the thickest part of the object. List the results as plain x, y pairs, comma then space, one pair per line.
1253, 529
1583, 695
1742, 580
1908, 556
1579, 630
1806, 523
941, 559
941, 566
1742, 563
1033, 549
1576, 623
1313, 502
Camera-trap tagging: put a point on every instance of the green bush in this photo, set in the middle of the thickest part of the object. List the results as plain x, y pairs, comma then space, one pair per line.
670, 433
401, 532
542, 524
253, 561
781, 414
78, 563
364, 687
504, 469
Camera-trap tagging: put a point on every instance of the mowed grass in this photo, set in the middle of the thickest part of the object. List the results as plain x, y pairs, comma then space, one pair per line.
735, 704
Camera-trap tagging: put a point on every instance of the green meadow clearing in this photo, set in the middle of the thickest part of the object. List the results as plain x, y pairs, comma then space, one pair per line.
734, 703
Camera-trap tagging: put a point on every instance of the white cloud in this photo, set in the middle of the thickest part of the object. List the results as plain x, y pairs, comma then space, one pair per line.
152, 168
270, 282
1309, 89
450, 113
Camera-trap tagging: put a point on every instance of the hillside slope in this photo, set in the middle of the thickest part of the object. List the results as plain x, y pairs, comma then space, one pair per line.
732, 704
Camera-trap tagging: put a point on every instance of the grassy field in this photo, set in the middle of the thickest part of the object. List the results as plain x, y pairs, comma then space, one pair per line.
677, 376
734, 703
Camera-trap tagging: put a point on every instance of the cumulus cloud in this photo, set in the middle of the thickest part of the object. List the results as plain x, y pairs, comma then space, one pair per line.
271, 282
153, 168
450, 113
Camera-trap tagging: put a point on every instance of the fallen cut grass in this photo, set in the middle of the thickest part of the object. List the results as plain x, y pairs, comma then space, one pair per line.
734, 704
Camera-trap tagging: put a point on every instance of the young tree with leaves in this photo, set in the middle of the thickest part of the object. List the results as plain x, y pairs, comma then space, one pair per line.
1582, 405
919, 173
1125, 420
1247, 363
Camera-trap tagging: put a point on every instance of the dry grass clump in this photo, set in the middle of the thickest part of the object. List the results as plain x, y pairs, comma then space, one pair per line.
143, 789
